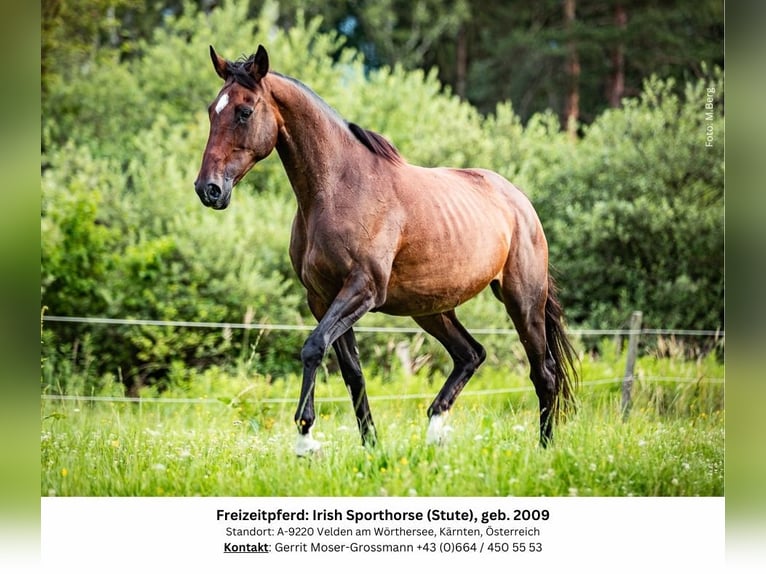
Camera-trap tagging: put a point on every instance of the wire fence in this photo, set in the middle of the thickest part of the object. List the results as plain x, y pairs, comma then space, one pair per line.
372, 398
718, 334
367, 329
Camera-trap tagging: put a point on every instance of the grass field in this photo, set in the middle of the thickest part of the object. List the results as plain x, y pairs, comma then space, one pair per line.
237, 440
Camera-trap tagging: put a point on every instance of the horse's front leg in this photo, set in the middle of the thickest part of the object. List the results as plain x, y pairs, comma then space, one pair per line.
351, 369
304, 415
356, 297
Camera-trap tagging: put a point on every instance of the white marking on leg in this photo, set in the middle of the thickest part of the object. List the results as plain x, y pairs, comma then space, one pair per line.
222, 101
438, 430
306, 444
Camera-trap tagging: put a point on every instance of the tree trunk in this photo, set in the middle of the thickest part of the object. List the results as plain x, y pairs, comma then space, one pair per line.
461, 67
572, 106
617, 82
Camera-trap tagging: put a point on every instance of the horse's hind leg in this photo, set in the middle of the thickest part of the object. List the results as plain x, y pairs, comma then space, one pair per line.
525, 303
348, 360
467, 354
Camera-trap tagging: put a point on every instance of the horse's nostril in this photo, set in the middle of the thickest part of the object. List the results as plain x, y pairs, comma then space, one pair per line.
213, 191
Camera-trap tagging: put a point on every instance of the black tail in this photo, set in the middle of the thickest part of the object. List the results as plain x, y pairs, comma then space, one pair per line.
563, 354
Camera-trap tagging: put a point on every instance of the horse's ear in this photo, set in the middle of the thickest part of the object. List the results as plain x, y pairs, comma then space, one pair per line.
221, 65
259, 65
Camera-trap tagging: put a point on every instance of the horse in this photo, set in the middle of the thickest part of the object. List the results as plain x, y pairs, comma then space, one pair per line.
373, 233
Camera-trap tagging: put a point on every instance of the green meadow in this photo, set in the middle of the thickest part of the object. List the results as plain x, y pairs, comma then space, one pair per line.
232, 435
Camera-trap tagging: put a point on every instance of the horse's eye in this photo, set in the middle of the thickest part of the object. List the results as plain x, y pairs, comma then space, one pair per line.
243, 114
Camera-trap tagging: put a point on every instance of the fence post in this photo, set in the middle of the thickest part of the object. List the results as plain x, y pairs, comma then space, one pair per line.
627, 381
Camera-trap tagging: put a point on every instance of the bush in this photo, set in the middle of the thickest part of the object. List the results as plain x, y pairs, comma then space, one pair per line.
635, 221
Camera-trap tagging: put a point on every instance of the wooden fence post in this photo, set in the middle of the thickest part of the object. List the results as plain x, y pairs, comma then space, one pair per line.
627, 381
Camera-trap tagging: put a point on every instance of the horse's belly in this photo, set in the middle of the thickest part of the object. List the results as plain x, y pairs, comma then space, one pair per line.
408, 301
436, 280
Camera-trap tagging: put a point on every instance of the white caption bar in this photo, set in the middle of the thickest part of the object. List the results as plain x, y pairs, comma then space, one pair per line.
260, 534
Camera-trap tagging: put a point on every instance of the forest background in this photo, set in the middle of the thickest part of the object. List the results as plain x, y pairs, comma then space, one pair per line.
610, 115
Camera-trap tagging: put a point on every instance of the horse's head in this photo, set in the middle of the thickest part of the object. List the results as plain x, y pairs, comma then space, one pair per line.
243, 127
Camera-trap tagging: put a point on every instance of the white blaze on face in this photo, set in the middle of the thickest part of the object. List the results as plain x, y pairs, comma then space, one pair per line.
222, 101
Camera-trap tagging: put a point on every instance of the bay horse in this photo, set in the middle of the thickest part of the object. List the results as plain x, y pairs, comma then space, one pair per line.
373, 233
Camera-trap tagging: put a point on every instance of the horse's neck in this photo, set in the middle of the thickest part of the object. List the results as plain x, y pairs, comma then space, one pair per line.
308, 142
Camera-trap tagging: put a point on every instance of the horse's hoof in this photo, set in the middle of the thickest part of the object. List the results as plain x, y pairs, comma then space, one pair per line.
438, 430
306, 445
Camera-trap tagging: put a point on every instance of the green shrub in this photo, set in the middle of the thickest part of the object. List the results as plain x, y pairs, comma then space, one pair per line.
635, 221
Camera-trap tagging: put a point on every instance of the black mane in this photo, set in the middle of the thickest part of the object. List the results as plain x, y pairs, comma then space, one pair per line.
376, 143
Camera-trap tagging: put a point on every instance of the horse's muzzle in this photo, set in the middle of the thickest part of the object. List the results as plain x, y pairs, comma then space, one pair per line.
211, 194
